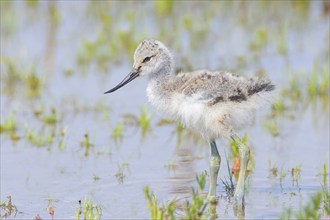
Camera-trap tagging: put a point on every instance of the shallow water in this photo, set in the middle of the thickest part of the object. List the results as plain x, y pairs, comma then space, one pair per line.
219, 36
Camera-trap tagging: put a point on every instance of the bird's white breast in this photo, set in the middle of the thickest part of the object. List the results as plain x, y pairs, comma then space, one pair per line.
177, 106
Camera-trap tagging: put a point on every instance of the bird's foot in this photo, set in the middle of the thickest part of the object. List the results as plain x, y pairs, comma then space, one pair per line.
239, 206
212, 199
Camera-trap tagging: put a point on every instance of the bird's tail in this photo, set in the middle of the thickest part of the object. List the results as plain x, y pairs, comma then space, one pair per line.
261, 86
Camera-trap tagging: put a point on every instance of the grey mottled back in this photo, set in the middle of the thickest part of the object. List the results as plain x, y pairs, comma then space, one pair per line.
220, 86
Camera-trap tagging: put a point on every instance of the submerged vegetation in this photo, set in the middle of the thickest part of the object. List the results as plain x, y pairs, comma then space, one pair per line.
8, 209
196, 207
117, 133
51, 118
280, 174
158, 211
182, 135
120, 172
228, 182
51, 208
87, 210
295, 99
201, 180
316, 208
295, 173
142, 121
86, 144
39, 139
16, 79
9, 125
33, 84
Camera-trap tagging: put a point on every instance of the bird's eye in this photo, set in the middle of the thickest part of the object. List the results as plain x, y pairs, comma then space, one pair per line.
147, 59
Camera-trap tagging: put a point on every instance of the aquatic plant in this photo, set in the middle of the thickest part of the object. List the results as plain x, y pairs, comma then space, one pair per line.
37, 217
194, 209
88, 211
39, 139
68, 72
61, 144
7, 208
325, 173
273, 170
117, 133
282, 176
241, 62
278, 107
271, 125
312, 83
318, 86
295, 173
293, 99
87, 144
187, 22
281, 40
197, 207
11, 75
9, 125
294, 90
38, 111
312, 210
32, 3
53, 13
108, 44
16, 78
171, 165
324, 84
8, 18
120, 172
96, 178
98, 51
183, 135
292, 94
142, 121
51, 118
33, 84
157, 210
228, 182
325, 189
259, 40
163, 8
201, 180
51, 208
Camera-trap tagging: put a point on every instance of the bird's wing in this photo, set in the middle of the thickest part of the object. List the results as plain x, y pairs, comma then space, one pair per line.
215, 87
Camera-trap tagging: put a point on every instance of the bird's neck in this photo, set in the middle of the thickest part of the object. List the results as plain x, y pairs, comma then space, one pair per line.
160, 82
161, 75
165, 69
159, 91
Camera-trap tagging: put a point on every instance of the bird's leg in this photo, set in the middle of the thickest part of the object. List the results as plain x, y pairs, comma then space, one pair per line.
244, 151
215, 161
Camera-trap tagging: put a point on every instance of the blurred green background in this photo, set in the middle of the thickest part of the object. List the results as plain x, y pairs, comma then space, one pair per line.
62, 139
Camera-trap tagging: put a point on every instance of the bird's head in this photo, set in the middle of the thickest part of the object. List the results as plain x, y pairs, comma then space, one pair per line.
151, 58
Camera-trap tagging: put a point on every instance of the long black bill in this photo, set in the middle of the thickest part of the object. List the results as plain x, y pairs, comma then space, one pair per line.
131, 76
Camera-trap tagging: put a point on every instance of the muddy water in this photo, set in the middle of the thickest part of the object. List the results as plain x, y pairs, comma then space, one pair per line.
216, 38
